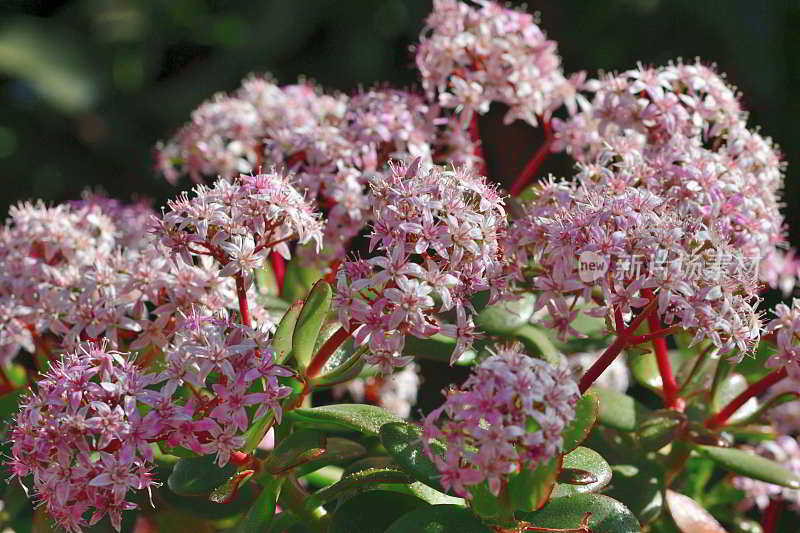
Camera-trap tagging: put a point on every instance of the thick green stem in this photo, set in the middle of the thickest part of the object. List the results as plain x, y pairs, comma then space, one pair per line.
293, 497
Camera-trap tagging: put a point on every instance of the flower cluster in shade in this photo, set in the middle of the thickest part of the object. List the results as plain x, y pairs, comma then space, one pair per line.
508, 415
239, 222
784, 450
332, 143
85, 441
680, 132
397, 393
786, 328
700, 281
469, 57
91, 270
437, 240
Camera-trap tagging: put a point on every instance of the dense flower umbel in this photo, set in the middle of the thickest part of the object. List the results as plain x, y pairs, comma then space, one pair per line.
82, 438
332, 143
678, 131
238, 222
786, 327
219, 362
508, 415
469, 57
784, 450
437, 233
701, 282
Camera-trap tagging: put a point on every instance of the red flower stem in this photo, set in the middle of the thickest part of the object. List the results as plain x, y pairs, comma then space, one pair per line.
241, 292
279, 269
530, 170
771, 516
325, 352
641, 339
669, 385
611, 353
753, 390
475, 136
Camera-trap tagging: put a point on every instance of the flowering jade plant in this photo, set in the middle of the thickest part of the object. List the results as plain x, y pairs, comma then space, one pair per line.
613, 368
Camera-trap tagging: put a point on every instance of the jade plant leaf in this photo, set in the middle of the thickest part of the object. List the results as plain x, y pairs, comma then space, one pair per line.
618, 410
689, 516
298, 280
583, 460
529, 489
282, 340
728, 389
309, 322
344, 418
198, 475
297, 448
586, 411
360, 481
505, 317
372, 512
751, 465
607, 514
261, 513
438, 519
403, 442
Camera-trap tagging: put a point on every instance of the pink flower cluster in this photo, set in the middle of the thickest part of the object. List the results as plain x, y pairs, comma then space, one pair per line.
701, 282
239, 222
332, 143
438, 236
679, 132
786, 327
784, 450
508, 415
82, 438
469, 57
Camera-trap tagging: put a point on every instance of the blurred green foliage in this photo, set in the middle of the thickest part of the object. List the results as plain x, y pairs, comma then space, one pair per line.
88, 86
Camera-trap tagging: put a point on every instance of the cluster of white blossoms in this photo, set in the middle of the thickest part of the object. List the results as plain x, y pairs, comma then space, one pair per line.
786, 327
508, 415
437, 239
469, 57
331, 143
679, 132
701, 282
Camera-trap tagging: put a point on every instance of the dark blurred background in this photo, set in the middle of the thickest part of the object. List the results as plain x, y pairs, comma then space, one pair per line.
88, 86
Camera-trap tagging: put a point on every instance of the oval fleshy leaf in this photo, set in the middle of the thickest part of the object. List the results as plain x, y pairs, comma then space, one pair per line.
586, 411
403, 442
607, 514
309, 322
361, 481
344, 418
282, 340
728, 389
751, 465
529, 490
585, 460
298, 280
297, 448
372, 512
261, 513
618, 410
689, 516
537, 343
505, 317
198, 475
438, 519
660, 428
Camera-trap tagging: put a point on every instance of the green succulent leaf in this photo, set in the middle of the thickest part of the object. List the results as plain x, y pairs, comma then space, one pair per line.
298, 280
403, 442
198, 475
295, 449
607, 514
529, 490
337, 450
282, 340
728, 389
505, 317
751, 465
618, 410
438, 519
309, 322
537, 343
261, 513
361, 481
373, 511
344, 418
689, 516
584, 460
586, 411
660, 428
